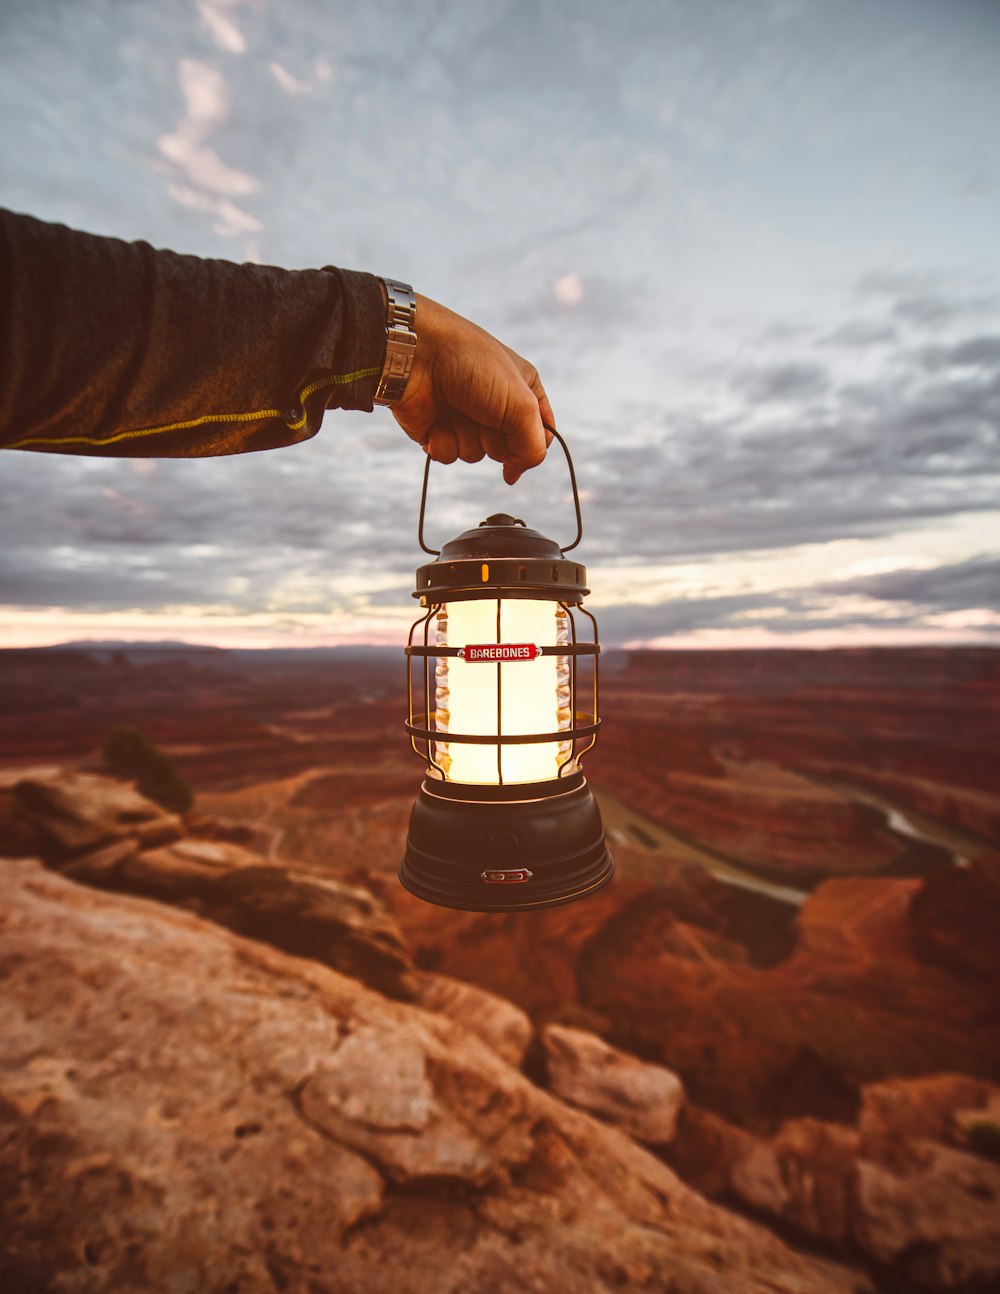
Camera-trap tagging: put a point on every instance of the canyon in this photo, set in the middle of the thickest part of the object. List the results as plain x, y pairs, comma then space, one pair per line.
782, 1011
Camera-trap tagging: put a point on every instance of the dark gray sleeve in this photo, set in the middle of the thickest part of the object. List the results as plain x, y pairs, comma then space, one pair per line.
113, 348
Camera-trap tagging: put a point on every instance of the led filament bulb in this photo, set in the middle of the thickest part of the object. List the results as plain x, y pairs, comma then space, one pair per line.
515, 696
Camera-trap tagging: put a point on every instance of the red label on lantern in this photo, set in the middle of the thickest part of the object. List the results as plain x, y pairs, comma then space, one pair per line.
499, 652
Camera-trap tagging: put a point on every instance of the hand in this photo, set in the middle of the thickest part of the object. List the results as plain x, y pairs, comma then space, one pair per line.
468, 396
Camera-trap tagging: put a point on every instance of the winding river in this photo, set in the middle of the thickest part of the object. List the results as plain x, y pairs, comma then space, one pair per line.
625, 825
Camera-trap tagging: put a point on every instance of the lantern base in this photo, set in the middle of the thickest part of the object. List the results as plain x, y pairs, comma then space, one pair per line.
490, 855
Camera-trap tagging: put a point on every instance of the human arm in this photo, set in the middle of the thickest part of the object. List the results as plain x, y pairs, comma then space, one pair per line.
114, 348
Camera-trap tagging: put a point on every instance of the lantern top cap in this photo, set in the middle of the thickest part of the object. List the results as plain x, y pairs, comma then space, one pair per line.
500, 536
502, 519
501, 553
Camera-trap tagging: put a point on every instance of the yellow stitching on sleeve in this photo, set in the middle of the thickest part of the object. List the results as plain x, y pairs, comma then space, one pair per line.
338, 379
258, 415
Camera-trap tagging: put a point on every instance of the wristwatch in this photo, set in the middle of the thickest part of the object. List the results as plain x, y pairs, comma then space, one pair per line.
400, 341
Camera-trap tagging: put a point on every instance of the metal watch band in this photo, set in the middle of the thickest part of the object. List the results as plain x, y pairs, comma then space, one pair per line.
400, 341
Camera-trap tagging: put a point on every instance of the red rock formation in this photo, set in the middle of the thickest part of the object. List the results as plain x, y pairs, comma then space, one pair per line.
183, 1108
853, 1002
582, 1069
499, 1023
923, 725
771, 821
956, 916
764, 759
105, 833
901, 1186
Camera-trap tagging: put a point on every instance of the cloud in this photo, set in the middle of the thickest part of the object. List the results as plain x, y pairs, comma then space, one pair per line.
217, 17
651, 210
900, 449
188, 533
777, 615
204, 182
231, 220
289, 83
205, 94
580, 310
974, 352
637, 622
793, 380
926, 299
956, 586
568, 290
203, 167
861, 333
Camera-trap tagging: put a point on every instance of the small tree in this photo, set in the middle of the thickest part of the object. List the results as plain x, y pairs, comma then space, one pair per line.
129, 754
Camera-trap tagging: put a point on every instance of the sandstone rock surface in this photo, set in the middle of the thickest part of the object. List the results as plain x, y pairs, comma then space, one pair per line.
803, 1176
923, 1204
187, 1109
500, 1024
583, 1069
105, 833
73, 812
938, 1223
854, 1001
900, 1186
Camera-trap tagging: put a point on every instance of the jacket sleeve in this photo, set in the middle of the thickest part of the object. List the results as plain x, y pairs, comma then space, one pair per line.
113, 348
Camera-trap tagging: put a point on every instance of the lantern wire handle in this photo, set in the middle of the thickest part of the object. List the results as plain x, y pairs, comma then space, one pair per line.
436, 552
572, 481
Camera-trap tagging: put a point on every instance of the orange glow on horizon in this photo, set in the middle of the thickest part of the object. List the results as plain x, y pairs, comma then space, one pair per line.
54, 633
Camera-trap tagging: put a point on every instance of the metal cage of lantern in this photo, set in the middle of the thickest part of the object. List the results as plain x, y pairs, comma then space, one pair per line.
584, 724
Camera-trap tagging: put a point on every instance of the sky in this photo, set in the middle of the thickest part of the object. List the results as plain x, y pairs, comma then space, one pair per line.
752, 248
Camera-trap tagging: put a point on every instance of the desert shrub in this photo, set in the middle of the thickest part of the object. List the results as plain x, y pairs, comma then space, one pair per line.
129, 754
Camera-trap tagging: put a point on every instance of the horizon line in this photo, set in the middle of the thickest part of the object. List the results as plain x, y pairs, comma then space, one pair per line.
683, 644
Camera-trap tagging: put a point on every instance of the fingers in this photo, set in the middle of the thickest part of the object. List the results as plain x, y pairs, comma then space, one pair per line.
442, 445
538, 391
469, 395
460, 438
469, 436
519, 445
526, 437
495, 443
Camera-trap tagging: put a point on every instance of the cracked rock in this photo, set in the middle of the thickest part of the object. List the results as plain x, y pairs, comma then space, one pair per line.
184, 1108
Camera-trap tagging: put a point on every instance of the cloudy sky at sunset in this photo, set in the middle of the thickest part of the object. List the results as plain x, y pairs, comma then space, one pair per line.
753, 249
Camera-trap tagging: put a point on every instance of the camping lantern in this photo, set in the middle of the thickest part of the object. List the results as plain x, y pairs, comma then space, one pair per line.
496, 671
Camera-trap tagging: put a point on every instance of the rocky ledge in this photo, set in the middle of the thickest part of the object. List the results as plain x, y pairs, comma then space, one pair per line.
184, 1108
265, 1090
882, 977
913, 1183
105, 833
